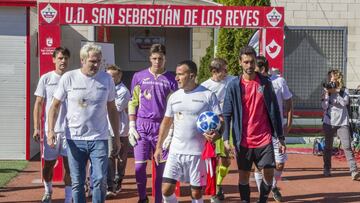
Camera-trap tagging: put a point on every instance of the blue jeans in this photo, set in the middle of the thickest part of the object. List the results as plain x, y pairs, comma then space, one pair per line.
79, 152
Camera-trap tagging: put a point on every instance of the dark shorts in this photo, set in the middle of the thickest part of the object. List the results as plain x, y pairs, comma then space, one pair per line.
262, 157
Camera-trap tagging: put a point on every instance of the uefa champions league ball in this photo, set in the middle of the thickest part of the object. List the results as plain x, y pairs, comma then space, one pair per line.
208, 121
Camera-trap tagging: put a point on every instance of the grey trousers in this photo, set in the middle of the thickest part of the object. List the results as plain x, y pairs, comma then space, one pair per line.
343, 132
121, 161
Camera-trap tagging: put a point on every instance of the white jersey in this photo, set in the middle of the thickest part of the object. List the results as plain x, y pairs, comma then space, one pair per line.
122, 98
219, 88
45, 89
87, 99
185, 107
282, 92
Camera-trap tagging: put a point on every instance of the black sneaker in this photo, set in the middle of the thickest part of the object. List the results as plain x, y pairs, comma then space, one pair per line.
146, 200
276, 194
327, 172
118, 186
220, 193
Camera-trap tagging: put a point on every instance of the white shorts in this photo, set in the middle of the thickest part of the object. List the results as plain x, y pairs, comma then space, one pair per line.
186, 168
49, 153
279, 158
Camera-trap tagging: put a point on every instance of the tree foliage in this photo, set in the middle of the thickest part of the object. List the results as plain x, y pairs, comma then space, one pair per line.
204, 73
230, 41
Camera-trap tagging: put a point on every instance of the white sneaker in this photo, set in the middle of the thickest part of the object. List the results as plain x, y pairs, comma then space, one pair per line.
214, 199
46, 198
110, 194
355, 175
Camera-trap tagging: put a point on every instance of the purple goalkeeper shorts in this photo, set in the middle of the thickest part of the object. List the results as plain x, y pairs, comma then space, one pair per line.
146, 145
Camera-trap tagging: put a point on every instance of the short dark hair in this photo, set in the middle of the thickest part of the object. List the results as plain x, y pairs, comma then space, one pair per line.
247, 50
262, 62
157, 48
62, 50
114, 67
190, 64
217, 64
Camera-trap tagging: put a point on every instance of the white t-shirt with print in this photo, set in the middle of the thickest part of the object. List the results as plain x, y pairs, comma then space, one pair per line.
45, 89
185, 107
87, 99
282, 93
122, 98
219, 88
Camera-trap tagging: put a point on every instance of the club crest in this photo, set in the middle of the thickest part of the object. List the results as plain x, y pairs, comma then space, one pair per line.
48, 13
274, 17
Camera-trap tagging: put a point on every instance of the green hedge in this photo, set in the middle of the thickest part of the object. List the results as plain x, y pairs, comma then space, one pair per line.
229, 42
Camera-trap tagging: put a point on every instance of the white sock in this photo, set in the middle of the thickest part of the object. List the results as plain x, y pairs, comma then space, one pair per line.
277, 176
68, 194
258, 178
48, 187
197, 200
170, 199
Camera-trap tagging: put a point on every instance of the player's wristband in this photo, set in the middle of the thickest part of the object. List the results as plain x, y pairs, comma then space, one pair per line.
282, 138
132, 124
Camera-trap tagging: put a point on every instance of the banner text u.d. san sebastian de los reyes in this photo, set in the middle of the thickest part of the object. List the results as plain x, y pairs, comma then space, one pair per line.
161, 15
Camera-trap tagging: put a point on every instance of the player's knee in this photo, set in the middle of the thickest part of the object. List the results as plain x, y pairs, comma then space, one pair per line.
244, 177
49, 164
225, 161
268, 174
48, 169
167, 189
280, 166
196, 193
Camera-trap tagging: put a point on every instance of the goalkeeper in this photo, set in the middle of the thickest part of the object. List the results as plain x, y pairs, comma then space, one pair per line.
150, 89
217, 83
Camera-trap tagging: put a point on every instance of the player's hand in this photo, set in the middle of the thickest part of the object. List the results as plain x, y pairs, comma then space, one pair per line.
51, 138
212, 135
282, 146
133, 134
230, 150
168, 139
36, 135
157, 155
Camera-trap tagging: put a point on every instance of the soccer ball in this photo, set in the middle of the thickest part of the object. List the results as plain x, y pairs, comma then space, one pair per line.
208, 121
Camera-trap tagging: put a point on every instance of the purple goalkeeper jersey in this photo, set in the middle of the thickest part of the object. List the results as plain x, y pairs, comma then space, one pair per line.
151, 92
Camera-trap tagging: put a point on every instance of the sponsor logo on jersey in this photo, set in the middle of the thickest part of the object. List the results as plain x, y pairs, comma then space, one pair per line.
48, 13
260, 89
199, 101
147, 94
274, 17
79, 88
179, 116
101, 88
